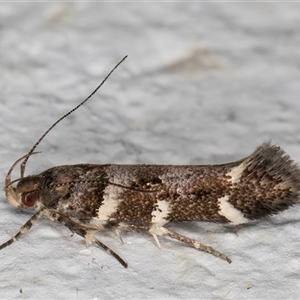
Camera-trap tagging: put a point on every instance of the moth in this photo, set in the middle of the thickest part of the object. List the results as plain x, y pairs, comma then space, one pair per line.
90, 198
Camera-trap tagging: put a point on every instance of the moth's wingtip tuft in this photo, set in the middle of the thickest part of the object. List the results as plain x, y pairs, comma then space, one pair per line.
269, 182
275, 162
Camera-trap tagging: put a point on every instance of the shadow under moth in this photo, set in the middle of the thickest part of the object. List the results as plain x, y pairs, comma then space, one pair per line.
90, 198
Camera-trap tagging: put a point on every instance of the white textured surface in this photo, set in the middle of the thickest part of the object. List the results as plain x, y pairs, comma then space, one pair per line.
204, 83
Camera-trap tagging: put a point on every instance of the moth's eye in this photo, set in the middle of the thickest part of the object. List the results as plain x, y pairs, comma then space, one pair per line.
29, 199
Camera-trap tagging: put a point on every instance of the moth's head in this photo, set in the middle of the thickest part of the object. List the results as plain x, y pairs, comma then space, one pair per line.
26, 193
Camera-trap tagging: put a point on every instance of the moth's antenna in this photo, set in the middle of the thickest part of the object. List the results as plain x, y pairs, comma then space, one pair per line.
23, 165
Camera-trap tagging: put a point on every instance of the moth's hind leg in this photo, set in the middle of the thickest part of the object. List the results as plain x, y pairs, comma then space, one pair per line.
156, 230
194, 243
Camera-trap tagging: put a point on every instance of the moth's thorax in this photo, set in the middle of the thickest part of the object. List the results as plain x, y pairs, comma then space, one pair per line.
76, 191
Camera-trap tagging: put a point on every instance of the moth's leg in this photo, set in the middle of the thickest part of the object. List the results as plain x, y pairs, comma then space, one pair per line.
155, 239
195, 244
26, 227
118, 233
143, 228
111, 252
88, 235
113, 226
156, 230
90, 238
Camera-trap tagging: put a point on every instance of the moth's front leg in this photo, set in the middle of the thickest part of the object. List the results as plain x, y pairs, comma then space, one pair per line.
24, 229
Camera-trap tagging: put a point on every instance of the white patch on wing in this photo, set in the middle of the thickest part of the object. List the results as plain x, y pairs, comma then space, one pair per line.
236, 172
110, 203
161, 212
159, 219
230, 212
